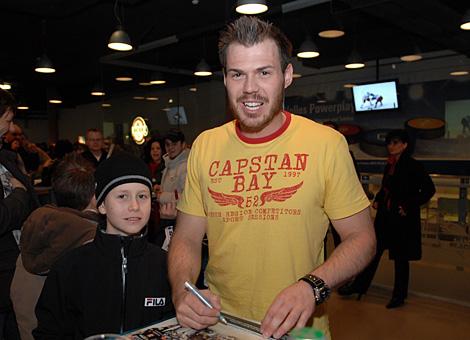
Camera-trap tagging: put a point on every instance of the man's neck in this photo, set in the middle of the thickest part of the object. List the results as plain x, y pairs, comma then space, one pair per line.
97, 154
274, 125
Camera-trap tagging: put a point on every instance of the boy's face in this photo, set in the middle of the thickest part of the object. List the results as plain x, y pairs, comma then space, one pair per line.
127, 208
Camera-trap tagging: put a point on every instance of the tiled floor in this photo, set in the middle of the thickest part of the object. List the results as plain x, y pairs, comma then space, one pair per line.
419, 319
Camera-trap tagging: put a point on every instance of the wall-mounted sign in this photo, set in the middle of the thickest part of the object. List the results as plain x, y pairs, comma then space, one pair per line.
139, 130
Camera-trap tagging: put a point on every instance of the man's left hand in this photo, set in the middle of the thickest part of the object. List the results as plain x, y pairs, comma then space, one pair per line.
291, 308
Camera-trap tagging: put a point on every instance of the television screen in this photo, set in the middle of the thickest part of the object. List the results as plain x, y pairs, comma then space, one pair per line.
375, 96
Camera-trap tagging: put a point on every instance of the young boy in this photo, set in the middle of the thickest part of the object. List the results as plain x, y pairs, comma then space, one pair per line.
118, 282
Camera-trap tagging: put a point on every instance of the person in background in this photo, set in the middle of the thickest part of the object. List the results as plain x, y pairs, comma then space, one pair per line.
405, 187
51, 231
172, 185
17, 200
264, 187
153, 152
119, 281
62, 148
94, 141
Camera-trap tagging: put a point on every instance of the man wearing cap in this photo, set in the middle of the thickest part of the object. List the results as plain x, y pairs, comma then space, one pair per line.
172, 185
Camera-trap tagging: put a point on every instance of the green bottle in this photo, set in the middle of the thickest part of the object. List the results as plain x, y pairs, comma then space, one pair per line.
306, 333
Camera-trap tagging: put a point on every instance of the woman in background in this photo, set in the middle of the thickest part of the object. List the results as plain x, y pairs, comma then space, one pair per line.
153, 153
405, 187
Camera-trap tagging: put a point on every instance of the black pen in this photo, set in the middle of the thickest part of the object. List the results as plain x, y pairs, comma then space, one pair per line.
193, 290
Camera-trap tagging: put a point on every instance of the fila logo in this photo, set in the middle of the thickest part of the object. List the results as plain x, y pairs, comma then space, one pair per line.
154, 301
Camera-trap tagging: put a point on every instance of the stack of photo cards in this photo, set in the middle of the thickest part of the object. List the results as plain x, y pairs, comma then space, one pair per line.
171, 330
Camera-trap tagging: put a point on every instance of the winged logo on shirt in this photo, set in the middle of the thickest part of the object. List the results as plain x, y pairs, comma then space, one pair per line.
278, 195
226, 199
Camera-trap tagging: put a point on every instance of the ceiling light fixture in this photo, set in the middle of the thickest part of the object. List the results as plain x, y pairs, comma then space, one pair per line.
124, 78
465, 25
152, 98
53, 96
321, 98
203, 69
43, 63
105, 105
157, 79
22, 107
411, 57
5, 86
251, 6
119, 40
458, 73
308, 49
296, 75
348, 85
331, 34
144, 83
138, 98
354, 61
97, 91
193, 89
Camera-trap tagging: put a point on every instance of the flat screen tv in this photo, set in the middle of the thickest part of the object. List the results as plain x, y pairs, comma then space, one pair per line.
375, 96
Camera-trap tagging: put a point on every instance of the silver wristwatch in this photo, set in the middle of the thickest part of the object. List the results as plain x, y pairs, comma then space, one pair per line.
321, 291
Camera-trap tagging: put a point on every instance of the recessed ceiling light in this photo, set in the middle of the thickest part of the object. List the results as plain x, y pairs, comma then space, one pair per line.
124, 78
411, 57
458, 73
152, 98
331, 34
138, 98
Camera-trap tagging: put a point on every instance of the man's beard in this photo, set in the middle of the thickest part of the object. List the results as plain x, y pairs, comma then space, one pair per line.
246, 124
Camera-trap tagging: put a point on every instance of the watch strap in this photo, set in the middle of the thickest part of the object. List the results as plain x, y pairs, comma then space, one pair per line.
321, 291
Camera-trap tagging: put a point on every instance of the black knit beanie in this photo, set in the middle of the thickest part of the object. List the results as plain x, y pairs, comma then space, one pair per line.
119, 169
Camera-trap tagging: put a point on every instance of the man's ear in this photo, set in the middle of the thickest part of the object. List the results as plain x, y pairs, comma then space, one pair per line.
288, 75
102, 209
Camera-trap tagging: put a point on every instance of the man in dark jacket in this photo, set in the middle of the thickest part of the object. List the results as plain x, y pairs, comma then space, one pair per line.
118, 282
15, 205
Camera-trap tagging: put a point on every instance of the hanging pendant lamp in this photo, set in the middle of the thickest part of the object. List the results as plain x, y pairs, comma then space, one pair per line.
251, 6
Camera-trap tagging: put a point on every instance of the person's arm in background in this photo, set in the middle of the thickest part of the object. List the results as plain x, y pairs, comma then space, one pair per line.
295, 304
184, 263
15, 208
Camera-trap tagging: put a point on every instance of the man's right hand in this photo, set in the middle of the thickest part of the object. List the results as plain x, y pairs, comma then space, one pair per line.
16, 184
192, 313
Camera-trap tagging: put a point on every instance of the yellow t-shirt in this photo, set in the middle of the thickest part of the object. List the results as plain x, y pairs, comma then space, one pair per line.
268, 203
